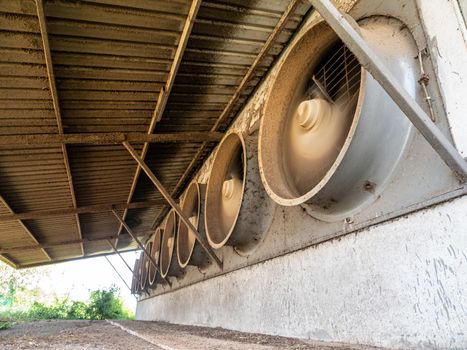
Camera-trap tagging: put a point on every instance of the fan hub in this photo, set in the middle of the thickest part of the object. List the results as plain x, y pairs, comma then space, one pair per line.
310, 112
228, 188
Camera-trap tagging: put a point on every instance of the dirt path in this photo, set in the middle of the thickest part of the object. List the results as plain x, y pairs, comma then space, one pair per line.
70, 335
132, 335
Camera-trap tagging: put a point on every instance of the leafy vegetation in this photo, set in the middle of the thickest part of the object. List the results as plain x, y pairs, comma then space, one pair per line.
102, 304
5, 325
21, 300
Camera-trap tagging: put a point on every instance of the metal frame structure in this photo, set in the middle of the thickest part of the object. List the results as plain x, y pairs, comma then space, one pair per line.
288, 13
118, 273
372, 63
62, 138
140, 245
27, 230
114, 248
340, 23
108, 138
164, 94
57, 244
204, 244
89, 209
56, 106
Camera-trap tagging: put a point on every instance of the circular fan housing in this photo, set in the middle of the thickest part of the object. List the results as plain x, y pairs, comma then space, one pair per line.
168, 263
145, 267
330, 136
135, 278
154, 276
189, 251
140, 273
237, 210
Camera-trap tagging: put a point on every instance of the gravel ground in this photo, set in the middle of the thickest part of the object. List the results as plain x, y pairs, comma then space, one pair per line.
132, 335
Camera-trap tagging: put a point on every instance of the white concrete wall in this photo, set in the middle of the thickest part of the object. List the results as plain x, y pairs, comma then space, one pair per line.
401, 284
447, 37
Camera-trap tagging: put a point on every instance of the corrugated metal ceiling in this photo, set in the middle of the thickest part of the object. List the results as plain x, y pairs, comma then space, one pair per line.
110, 60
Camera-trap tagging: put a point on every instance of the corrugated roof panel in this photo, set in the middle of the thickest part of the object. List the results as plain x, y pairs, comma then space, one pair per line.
226, 39
110, 59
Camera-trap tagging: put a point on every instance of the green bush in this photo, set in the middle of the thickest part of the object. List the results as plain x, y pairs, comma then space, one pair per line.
5, 325
105, 304
102, 304
77, 310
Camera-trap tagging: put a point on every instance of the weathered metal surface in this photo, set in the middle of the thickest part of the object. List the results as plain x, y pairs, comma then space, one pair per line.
246, 76
79, 210
110, 60
377, 68
173, 204
109, 138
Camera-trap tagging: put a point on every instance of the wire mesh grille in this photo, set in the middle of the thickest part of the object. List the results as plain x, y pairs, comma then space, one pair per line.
338, 76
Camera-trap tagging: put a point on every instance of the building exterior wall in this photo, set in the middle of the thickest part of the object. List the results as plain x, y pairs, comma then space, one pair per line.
400, 283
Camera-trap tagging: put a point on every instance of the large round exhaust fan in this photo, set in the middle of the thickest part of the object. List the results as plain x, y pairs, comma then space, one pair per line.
331, 136
189, 251
237, 210
154, 276
135, 280
168, 262
144, 269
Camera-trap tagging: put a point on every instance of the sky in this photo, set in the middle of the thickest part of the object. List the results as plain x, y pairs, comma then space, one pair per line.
76, 278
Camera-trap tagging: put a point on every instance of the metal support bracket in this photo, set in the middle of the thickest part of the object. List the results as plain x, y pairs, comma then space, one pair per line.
140, 245
114, 248
118, 253
372, 63
118, 273
204, 244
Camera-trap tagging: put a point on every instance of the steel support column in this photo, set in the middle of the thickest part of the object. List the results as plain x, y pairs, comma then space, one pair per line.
372, 63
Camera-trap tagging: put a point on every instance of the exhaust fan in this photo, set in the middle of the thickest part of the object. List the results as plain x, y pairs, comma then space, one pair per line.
139, 274
168, 262
135, 279
144, 269
154, 276
237, 210
330, 136
189, 251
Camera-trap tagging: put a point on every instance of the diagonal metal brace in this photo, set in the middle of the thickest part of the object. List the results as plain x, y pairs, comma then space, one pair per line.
204, 244
114, 248
118, 273
145, 252
372, 63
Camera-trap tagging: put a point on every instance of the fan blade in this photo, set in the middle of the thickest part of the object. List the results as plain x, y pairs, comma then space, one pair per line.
313, 140
231, 200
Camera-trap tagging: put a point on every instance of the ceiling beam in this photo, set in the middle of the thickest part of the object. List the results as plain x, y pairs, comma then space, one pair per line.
60, 244
56, 105
288, 13
8, 261
109, 138
89, 209
29, 233
26, 266
165, 93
